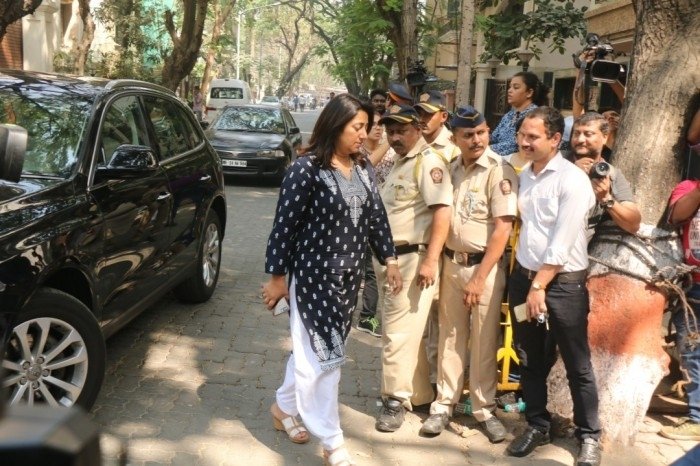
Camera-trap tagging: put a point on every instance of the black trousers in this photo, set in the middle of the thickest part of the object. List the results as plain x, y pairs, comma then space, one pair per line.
568, 308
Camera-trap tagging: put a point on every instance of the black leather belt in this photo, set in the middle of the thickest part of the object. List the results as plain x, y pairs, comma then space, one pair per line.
409, 248
464, 258
563, 277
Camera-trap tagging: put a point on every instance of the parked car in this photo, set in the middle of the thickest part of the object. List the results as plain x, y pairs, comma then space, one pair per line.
223, 92
271, 100
110, 196
255, 140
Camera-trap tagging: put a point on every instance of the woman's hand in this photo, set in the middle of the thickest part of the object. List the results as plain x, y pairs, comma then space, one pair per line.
393, 279
274, 289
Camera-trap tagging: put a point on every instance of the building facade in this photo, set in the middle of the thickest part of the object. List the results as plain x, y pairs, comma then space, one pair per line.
612, 20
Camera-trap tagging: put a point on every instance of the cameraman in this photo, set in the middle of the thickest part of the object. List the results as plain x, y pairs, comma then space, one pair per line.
595, 50
611, 188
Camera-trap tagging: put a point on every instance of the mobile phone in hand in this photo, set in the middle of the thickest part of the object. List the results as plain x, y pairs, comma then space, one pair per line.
281, 307
520, 312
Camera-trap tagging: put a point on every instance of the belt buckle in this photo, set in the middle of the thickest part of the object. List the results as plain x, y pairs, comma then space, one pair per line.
462, 258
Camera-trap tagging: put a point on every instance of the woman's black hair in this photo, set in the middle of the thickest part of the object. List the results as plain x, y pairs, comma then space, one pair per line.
539, 89
336, 114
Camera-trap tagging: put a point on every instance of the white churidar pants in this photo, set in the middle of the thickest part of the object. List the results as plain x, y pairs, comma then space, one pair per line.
307, 390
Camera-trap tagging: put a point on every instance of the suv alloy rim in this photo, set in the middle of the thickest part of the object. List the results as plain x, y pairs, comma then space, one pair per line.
210, 256
46, 361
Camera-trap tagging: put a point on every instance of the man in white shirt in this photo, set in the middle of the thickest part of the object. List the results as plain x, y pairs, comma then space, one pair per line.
550, 279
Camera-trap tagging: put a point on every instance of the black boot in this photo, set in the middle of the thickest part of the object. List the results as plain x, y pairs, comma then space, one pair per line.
391, 417
589, 454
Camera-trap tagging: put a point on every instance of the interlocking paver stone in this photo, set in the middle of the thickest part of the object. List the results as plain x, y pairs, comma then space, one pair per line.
192, 385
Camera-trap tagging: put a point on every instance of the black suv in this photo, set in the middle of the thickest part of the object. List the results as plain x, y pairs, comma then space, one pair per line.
110, 196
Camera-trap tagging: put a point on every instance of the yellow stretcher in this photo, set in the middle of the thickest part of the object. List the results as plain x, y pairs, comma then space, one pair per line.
506, 353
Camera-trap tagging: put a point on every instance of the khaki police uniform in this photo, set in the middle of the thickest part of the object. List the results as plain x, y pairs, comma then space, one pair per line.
442, 144
417, 181
482, 191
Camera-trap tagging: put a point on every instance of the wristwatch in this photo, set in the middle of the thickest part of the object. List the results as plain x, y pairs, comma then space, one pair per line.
391, 261
607, 204
537, 286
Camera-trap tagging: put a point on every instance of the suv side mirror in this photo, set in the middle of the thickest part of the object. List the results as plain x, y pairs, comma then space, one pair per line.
130, 160
294, 130
13, 147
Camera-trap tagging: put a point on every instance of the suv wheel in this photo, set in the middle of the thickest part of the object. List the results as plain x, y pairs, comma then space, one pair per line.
56, 353
200, 286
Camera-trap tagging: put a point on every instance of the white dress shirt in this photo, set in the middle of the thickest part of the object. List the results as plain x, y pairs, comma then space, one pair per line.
554, 207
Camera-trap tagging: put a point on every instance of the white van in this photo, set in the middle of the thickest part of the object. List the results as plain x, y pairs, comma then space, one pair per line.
224, 92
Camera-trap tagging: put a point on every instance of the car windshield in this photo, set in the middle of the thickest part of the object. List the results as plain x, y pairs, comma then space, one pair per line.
55, 119
262, 120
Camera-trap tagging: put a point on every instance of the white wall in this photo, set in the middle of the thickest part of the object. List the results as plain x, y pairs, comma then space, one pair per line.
41, 36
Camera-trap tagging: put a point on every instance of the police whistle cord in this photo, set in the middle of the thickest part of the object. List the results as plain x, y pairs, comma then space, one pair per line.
670, 279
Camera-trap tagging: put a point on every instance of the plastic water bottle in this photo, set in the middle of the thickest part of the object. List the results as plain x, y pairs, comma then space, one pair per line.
464, 407
518, 407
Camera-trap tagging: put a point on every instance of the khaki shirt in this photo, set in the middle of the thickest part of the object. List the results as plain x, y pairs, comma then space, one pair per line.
417, 181
444, 144
482, 191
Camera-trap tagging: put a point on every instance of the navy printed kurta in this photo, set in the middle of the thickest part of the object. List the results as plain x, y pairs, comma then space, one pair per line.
503, 138
319, 236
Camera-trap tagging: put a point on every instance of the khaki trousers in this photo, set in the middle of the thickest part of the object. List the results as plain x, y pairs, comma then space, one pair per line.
474, 331
405, 370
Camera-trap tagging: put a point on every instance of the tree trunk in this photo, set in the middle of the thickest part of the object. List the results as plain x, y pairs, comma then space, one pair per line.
82, 46
404, 33
291, 74
661, 94
12, 10
186, 44
220, 18
464, 64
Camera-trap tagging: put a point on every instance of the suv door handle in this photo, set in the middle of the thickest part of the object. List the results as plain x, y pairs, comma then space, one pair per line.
163, 196
205, 178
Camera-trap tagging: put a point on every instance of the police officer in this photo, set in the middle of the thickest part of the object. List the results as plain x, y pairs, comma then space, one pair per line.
398, 95
473, 275
433, 114
417, 195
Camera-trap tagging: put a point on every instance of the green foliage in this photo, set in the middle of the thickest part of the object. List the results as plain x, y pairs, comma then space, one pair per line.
360, 45
553, 20
137, 27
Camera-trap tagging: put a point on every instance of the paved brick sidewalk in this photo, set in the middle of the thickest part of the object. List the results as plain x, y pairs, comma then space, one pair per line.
192, 385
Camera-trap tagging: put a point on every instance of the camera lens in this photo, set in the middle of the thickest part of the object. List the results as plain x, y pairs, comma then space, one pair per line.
599, 170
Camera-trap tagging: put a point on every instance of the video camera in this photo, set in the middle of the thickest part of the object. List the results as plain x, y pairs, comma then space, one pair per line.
599, 68
599, 170
593, 44
417, 76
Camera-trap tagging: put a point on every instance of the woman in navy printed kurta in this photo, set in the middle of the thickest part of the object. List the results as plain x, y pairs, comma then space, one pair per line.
328, 210
322, 225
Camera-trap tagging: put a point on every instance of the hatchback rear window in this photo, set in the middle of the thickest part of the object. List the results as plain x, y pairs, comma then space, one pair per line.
226, 93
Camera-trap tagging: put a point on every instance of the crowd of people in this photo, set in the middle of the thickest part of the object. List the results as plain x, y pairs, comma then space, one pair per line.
435, 213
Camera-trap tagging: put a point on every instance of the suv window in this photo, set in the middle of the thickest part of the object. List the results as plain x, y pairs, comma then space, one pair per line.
174, 134
123, 124
55, 120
